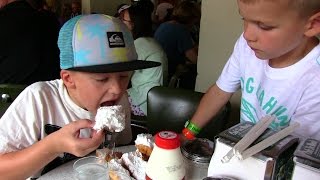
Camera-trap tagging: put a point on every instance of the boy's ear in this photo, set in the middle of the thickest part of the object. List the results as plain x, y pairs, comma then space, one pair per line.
67, 79
313, 26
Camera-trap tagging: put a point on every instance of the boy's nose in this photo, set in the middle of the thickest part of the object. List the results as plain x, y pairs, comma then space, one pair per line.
249, 32
116, 87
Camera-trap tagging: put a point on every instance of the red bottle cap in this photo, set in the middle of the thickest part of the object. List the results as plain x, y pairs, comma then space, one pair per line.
167, 140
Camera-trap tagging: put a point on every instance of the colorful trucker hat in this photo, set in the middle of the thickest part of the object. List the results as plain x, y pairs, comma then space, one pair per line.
98, 43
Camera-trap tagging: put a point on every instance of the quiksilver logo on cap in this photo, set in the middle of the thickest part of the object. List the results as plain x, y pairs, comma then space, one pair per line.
115, 39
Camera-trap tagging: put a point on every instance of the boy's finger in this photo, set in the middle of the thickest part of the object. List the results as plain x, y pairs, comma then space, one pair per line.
82, 123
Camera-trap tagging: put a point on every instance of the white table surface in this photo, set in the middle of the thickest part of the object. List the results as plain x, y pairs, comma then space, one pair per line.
66, 172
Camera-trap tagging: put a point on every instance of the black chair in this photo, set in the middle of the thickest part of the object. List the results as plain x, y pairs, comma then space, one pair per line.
8, 93
138, 126
184, 77
169, 109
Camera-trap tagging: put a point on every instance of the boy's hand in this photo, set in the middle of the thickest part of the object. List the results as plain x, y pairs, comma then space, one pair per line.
67, 138
184, 140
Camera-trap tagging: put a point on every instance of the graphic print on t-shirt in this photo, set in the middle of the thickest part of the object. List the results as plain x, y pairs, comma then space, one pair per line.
267, 103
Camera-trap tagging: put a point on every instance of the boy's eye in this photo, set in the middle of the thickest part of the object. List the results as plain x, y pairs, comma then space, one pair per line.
260, 25
265, 27
102, 80
124, 76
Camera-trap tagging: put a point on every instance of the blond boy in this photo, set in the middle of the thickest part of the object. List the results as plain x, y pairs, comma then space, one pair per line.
275, 63
50, 119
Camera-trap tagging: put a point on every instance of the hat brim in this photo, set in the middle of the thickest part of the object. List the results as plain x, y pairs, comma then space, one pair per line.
117, 67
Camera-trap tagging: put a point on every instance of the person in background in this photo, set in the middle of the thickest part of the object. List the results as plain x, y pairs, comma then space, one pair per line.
176, 40
161, 12
28, 44
66, 12
153, 15
49, 17
120, 8
76, 8
138, 19
40, 5
276, 65
51, 121
54, 6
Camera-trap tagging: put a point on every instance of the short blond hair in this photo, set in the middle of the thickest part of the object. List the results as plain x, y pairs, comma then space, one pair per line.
305, 8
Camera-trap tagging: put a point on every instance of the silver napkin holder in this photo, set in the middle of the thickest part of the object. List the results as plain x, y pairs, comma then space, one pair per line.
307, 160
272, 163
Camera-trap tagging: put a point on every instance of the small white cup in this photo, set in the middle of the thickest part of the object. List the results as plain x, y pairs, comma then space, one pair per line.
91, 167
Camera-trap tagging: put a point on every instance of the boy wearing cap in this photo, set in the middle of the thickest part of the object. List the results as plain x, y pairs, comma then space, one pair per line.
50, 119
275, 63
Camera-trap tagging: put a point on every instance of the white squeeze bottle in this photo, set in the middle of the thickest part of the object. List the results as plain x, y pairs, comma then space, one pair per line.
166, 161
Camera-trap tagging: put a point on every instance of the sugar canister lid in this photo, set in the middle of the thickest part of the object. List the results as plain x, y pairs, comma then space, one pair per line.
167, 140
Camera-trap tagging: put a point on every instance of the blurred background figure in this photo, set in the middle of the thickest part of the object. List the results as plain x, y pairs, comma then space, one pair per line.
138, 19
120, 8
153, 15
66, 12
181, 49
76, 8
28, 44
54, 6
162, 11
48, 16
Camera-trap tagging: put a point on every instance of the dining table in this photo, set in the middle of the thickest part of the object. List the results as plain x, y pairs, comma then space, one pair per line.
194, 170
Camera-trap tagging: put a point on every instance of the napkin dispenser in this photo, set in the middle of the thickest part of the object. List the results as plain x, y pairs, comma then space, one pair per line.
275, 162
307, 160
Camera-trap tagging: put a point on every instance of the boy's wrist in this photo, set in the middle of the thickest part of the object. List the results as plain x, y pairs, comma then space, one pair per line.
188, 134
192, 127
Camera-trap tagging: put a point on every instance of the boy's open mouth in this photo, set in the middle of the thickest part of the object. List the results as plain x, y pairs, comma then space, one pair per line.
108, 103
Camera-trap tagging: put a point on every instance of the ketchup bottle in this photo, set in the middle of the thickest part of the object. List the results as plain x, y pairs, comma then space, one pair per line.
166, 161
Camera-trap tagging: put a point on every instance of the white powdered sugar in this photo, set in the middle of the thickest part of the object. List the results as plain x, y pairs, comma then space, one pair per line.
111, 118
135, 164
115, 165
145, 139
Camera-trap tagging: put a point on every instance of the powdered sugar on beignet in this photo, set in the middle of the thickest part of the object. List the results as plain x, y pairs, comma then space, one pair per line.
111, 118
135, 164
144, 144
145, 139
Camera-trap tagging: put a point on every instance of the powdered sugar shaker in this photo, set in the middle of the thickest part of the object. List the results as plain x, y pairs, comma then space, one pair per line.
166, 160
